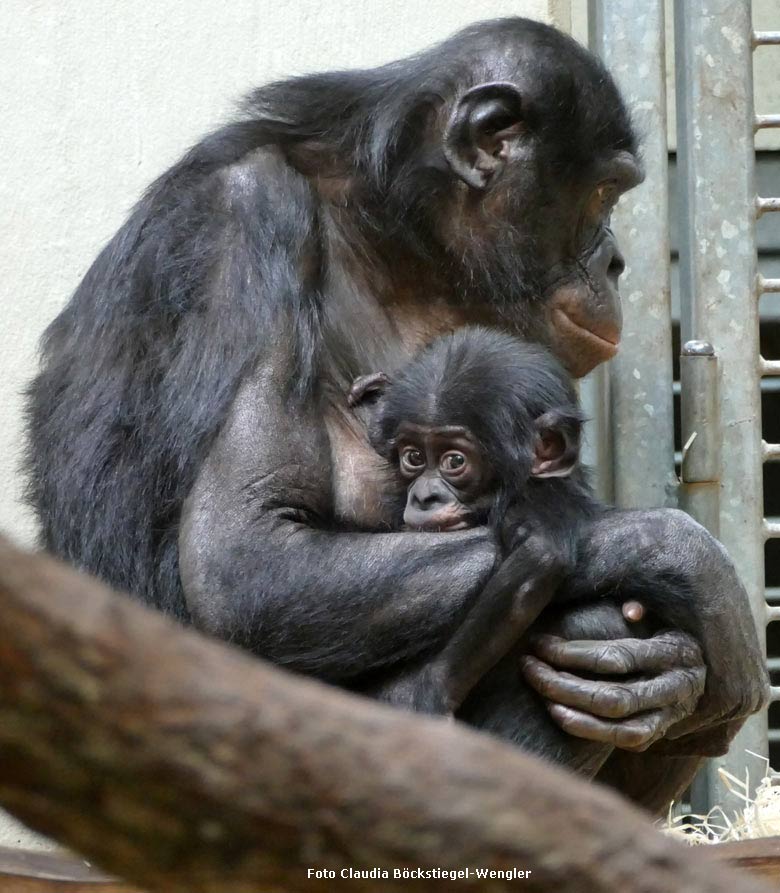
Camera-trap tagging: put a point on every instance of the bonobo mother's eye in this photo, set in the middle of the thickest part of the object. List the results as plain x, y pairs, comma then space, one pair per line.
602, 200
453, 463
412, 460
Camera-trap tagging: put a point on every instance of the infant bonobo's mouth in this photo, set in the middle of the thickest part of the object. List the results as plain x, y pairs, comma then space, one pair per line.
442, 523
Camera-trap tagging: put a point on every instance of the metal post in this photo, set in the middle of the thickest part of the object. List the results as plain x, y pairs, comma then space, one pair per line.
629, 37
597, 439
700, 487
718, 280
700, 417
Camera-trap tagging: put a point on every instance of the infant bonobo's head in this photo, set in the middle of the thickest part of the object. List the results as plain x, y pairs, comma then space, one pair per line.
472, 420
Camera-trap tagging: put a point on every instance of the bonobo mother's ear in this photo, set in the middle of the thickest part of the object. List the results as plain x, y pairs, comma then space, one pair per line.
557, 447
367, 387
484, 127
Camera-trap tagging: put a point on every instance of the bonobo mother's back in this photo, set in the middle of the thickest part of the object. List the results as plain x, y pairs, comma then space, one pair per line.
140, 368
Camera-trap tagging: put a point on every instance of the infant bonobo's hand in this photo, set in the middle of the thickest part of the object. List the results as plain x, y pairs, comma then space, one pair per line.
426, 688
532, 571
513, 537
521, 587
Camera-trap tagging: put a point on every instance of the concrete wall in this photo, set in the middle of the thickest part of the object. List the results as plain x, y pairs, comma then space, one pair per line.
96, 99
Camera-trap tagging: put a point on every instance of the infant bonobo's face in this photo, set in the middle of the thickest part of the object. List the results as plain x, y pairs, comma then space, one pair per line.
449, 484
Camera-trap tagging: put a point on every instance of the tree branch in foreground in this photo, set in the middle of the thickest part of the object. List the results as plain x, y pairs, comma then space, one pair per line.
184, 765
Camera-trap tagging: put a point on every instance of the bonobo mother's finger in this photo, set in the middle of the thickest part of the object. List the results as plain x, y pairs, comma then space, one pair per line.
636, 734
615, 700
668, 650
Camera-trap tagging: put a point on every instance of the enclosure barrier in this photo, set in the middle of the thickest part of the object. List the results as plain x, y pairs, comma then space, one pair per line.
770, 451
631, 404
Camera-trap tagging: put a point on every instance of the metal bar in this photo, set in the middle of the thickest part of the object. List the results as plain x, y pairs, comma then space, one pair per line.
773, 615
772, 593
700, 428
770, 452
597, 435
768, 367
768, 285
765, 122
766, 205
766, 38
595, 388
629, 37
715, 121
774, 692
768, 386
770, 529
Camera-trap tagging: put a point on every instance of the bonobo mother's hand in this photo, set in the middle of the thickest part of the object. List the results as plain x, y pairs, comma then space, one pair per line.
664, 679
667, 561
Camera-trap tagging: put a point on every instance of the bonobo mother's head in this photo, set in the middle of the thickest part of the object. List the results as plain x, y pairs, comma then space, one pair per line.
539, 147
516, 147
484, 170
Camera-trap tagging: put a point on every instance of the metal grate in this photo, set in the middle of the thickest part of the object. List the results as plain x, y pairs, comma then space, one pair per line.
770, 452
632, 403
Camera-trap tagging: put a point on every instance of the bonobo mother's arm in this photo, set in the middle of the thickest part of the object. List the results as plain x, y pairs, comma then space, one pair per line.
670, 562
262, 566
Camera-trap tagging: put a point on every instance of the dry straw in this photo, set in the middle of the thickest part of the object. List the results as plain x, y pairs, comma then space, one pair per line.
759, 817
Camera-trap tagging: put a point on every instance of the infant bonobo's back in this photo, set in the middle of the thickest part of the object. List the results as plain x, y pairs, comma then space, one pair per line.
483, 427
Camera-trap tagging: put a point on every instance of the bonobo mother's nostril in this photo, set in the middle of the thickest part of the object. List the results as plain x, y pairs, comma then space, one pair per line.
607, 260
616, 265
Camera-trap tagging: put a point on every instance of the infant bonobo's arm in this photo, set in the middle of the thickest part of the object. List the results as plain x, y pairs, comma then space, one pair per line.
519, 590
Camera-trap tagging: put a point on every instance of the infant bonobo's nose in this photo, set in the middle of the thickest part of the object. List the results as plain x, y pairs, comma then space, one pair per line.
431, 505
426, 499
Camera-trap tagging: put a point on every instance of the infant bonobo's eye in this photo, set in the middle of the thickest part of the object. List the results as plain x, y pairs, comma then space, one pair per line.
453, 462
412, 460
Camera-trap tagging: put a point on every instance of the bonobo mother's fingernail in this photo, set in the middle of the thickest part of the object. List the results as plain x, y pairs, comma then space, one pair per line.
530, 666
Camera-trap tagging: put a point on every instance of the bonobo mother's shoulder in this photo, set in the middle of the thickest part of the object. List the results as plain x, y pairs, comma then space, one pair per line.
233, 168
263, 177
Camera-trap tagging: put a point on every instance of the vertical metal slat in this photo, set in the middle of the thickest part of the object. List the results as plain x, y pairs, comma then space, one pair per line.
630, 38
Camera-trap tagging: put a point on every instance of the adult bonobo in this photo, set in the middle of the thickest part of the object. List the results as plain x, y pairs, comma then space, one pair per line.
189, 437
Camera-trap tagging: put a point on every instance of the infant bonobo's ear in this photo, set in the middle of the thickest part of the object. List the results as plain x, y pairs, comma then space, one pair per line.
557, 447
367, 387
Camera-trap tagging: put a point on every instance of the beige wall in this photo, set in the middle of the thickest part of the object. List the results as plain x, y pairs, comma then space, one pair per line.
98, 98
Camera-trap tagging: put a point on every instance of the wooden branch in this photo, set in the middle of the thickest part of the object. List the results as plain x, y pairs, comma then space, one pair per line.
26, 871
760, 857
184, 765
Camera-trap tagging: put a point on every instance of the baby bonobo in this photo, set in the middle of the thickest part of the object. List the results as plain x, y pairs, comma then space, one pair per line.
484, 429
